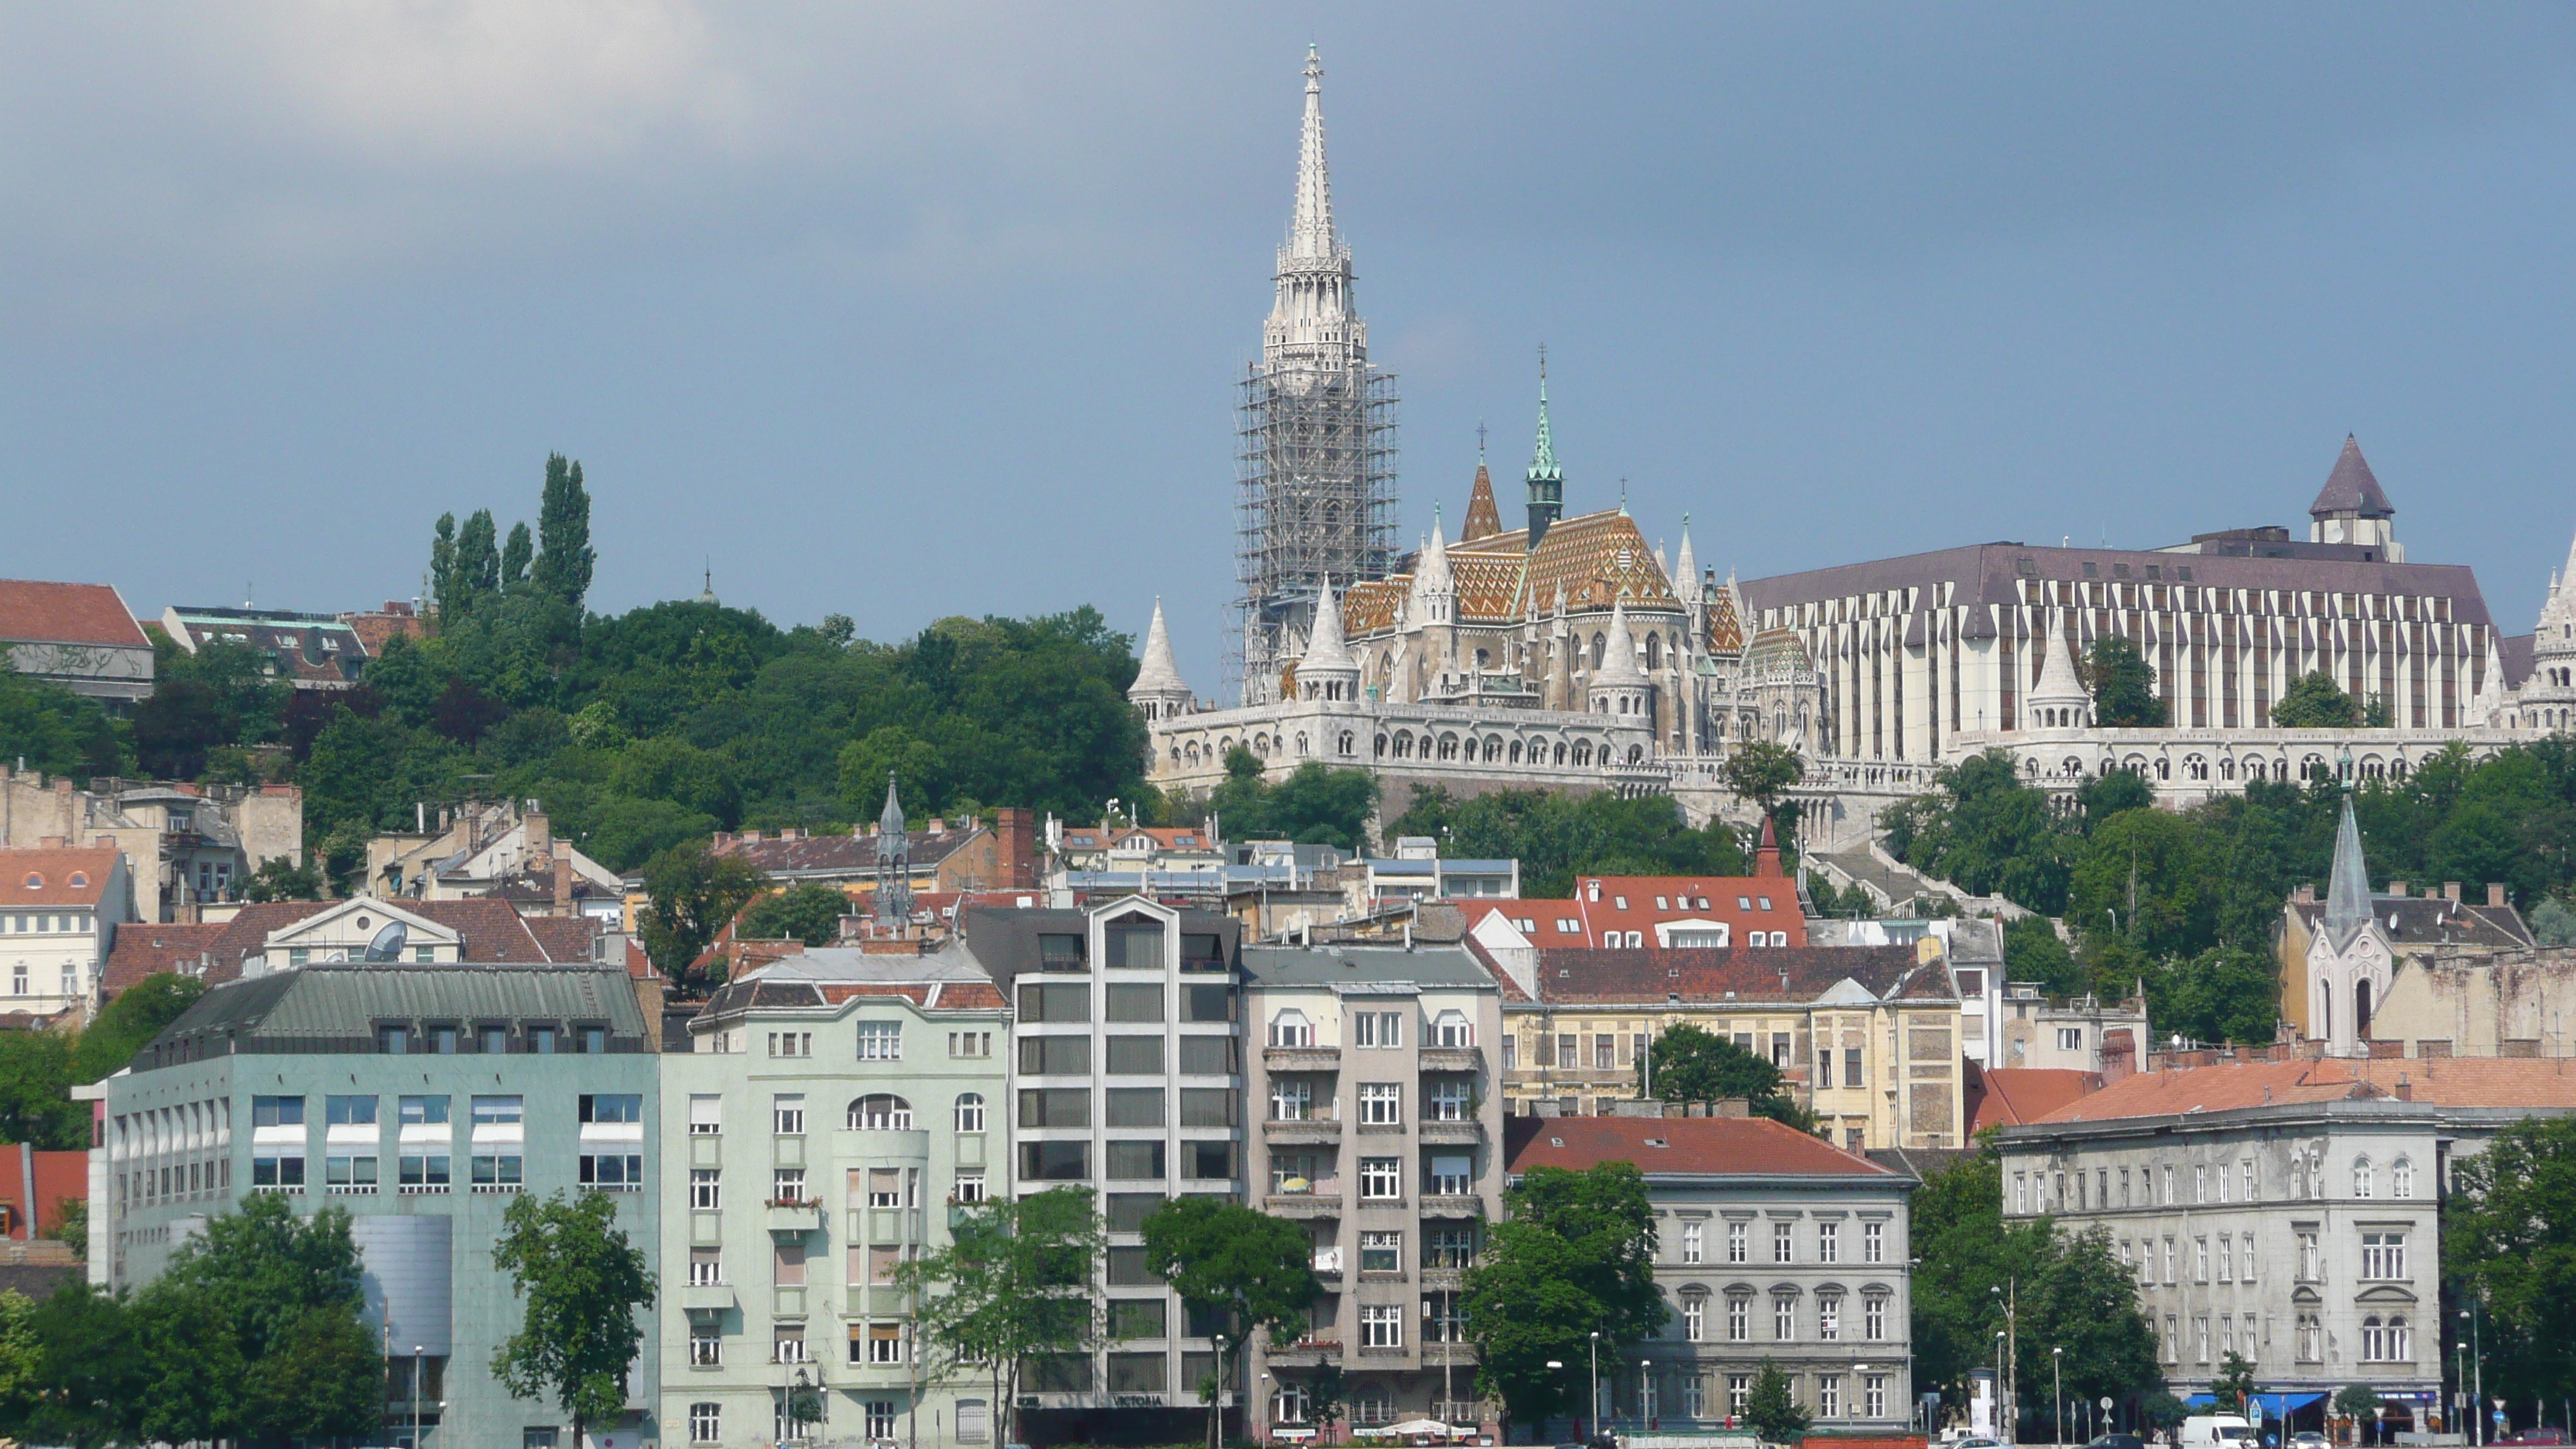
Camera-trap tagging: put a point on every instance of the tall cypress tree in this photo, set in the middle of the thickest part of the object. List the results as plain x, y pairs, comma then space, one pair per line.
478, 561
514, 560
564, 555
443, 584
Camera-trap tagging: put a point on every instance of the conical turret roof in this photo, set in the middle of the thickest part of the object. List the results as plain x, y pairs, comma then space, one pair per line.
1157, 672
1619, 664
2057, 681
1685, 575
1484, 520
1433, 576
2348, 889
1325, 647
890, 820
2351, 488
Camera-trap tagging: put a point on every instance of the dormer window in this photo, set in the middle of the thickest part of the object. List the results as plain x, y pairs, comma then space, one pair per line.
78, 880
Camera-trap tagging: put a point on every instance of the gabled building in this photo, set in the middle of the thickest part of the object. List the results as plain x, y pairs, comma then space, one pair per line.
268, 936
308, 651
942, 855
60, 909
80, 636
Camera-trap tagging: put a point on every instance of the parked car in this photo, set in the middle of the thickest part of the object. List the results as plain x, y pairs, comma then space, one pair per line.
2216, 1431
2539, 1435
2116, 1441
2309, 1439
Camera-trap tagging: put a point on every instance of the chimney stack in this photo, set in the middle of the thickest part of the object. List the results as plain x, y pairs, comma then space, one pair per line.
2495, 893
563, 878
1016, 843
540, 837
2397, 888
2450, 890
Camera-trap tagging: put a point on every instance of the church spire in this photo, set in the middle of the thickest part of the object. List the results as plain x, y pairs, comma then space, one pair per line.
1484, 520
1310, 231
2348, 888
1546, 479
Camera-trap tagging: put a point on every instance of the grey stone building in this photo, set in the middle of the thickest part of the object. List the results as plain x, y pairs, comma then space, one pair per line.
1771, 1246
2286, 1211
1381, 1131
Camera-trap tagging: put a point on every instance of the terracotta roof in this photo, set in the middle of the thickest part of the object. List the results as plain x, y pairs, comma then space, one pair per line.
149, 948
563, 938
2010, 1096
1483, 519
1599, 558
488, 931
1725, 627
374, 627
2351, 486
46, 613
47, 877
1685, 1146
838, 854
1753, 974
2535, 1082
1655, 900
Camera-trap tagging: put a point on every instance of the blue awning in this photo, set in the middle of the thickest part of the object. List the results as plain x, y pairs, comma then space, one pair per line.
2274, 1405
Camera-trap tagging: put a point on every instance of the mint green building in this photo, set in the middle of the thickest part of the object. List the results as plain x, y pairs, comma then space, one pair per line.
830, 1109
424, 1099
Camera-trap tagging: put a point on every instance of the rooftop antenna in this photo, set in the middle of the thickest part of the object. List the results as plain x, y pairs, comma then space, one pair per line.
246, 594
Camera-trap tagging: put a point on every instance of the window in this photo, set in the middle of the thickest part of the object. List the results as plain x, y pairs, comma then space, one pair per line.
494, 1040
421, 1111
1134, 1056
1829, 1396
2226, 1258
1055, 1002
970, 1187
1291, 1029
1061, 953
1381, 1252
1135, 944
1055, 1056
2200, 1338
2245, 1271
2200, 1260
1784, 1318
1134, 1107
1694, 1318
885, 1346
1605, 1052
1739, 1393
2309, 1258
393, 1041
1208, 1106
2361, 1177
543, 1040
787, 1185
597, 1107
2401, 1178
1828, 1241
613, 1172
1381, 1177
706, 1267
1738, 1242
706, 1421
1567, 1043
880, 1112
1378, 1028
2385, 1342
277, 1111
2245, 1180
1381, 1325
1452, 1175
285, 1173
1873, 1317
706, 1114
705, 1188
970, 1112
1452, 1099
2170, 1269
496, 1111
1783, 1242
1207, 1056
880, 1041
2070, 1038
423, 1173
1693, 1244
1829, 1317
1137, 1161
787, 1343
1132, 1318
442, 1039
355, 1174
1873, 1401
1135, 1002
1873, 1242
498, 1172
2383, 1255
1452, 1029
970, 1043
2312, 1338
974, 1422
1739, 1319
1055, 1161
1381, 1104
791, 1043
1449, 1247
1207, 1003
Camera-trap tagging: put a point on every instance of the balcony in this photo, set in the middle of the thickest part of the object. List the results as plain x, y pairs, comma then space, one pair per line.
1466, 1132
794, 1218
1452, 1059
1299, 1197
1328, 1262
1302, 1058
1452, 1205
1307, 1353
1292, 1130
706, 1300
1443, 1280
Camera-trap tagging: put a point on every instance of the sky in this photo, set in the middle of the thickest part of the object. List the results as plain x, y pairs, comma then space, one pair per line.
905, 311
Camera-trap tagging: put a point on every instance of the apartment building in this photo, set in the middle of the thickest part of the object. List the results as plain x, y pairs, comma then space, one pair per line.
1868, 1036
830, 1110
59, 910
1126, 1075
423, 1099
1381, 1132
1770, 1247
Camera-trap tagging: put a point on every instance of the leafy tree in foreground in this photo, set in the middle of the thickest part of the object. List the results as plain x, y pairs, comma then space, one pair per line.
2124, 688
1258, 1269
131, 1021
1013, 1285
2312, 702
1691, 1064
36, 1074
2512, 1234
1770, 1412
1761, 772
86, 1377
583, 1282
1573, 1255
694, 894
810, 912
2233, 1389
1986, 830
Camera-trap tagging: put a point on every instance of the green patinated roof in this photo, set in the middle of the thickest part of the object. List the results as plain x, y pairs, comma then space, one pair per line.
338, 1006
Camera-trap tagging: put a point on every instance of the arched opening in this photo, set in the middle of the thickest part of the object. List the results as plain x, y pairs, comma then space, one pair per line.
880, 1112
2361, 1008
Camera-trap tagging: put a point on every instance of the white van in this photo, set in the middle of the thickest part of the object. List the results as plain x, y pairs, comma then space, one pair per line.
2217, 1431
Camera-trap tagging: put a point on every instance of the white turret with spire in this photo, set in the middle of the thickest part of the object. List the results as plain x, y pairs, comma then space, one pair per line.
1435, 588
1619, 686
1159, 690
1685, 574
1328, 672
2350, 958
1314, 318
2059, 701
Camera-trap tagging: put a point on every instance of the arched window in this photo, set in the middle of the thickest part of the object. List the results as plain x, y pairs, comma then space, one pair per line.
1349, 743
1290, 1028
1291, 1404
2401, 1178
2298, 1177
1516, 752
2164, 768
880, 1112
1381, 747
2361, 1176
1600, 650
1452, 1029
1654, 651
1582, 752
1560, 752
970, 1111
1493, 749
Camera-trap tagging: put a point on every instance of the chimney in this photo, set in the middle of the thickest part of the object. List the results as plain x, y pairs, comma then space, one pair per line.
2495, 893
540, 837
52, 842
1015, 834
2405, 1088
2307, 893
2450, 890
563, 877
2397, 888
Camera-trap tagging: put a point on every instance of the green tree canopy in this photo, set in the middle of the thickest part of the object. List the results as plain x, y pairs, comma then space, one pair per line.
1690, 1064
1986, 830
810, 912
1557, 837
1573, 1256
56, 731
1013, 1286
1760, 773
583, 1283
693, 895
2123, 686
2313, 702
1257, 1270
129, 1022
1315, 805
2510, 1234
1771, 1411
564, 555
36, 1074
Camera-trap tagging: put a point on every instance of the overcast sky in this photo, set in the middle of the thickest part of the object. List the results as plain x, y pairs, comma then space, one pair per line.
912, 311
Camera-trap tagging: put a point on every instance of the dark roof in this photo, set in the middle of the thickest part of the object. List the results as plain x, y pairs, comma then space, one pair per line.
2351, 487
1919, 1163
1573, 974
337, 1007
46, 613
489, 931
1682, 1147
1984, 573
2432, 920
836, 854
1004, 941
38, 1281
2514, 652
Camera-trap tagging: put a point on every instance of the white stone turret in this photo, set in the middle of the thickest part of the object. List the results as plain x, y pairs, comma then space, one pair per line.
1328, 671
1685, 574
2350, 959
1159, 690
1435, 588
2059, 701
1619, 686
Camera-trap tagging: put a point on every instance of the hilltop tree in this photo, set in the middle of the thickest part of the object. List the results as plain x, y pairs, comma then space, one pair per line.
810, 912
695, 894
1761, 772
564, 555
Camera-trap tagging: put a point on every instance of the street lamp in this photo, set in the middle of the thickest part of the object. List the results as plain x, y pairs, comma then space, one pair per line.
2057, 1393
416, 1351
1216, 1391
2000, 1431
1645, 1388
1555, 1364
1595, 1410
2478, 1365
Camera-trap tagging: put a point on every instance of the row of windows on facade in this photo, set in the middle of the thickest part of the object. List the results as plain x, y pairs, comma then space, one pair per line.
22, 979
1381, 1104
27, 923
433, 1172
1310, 1172
2155, 1187
874, 1041
1617, 1051
188, 1124
2383, 1258
1291, 1027
870, 1112
1130, 1056
447, 1039
1691, 1244
1647, 1394
881, 1416
874, 1187
1129, 943
1067, 1002
2385, 1338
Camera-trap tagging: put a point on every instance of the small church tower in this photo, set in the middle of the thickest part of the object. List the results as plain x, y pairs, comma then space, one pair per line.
1159, 692
2350, 959
1546, 479
894, 866
1619, 687
2352, 508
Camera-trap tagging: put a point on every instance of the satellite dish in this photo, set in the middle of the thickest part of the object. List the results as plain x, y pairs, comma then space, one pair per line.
388, 944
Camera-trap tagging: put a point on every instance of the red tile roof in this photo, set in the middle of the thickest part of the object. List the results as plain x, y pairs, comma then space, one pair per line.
488, 932
2010, 1096
54, 877
2447, 1081
67, 614
1658, 900
1694, 1146
149, 948
1572, 974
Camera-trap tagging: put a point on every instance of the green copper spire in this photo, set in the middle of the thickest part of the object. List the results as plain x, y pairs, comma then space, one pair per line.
1546, 479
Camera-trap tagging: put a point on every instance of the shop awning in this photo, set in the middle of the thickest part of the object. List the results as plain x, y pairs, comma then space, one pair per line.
2275, 1405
